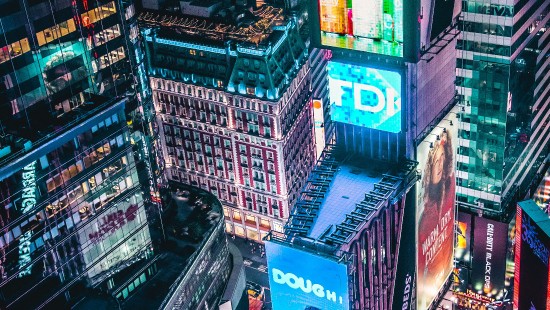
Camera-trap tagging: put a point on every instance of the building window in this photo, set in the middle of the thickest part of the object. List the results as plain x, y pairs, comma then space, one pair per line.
98, 13
251, 219
13, 50
53, 33
265, 224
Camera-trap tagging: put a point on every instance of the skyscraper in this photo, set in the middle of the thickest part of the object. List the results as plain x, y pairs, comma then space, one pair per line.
80, 220
503, 86
73, 214
234, 113
502, 83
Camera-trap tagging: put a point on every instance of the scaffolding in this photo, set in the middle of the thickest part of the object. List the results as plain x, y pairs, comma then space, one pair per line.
306, 209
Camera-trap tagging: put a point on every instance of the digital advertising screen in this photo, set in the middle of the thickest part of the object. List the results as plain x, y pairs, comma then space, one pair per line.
489, 256
364, 96
300, 280
435, 209
531, 285
374, 26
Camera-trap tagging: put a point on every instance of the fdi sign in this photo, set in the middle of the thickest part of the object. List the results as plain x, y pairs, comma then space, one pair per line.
365, 96
300, 280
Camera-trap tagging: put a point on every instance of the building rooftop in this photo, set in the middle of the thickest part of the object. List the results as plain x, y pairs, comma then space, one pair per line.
219, 29
202, 3
348, 188
343, 193
536, 214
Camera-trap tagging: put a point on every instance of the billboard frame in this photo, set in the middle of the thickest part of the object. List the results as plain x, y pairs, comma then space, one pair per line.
316, 288
390, 69
433, 138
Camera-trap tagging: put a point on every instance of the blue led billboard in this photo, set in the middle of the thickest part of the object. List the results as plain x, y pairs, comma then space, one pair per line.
365, 96
300, 280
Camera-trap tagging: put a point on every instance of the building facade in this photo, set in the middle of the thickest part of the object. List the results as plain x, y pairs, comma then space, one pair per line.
234, 117
74, 216
502, 83
389, 73
54, 57
73, 211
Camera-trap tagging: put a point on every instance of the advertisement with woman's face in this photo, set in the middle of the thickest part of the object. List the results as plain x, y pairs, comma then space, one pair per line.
435, 213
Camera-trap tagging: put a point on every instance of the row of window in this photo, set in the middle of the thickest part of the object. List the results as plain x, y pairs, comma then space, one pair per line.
482, 47
193, 91
15, 49
57, 31
71, 216
90, 184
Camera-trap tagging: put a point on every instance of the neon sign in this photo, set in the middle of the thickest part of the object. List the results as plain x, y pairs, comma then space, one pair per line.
28, 202
473, 295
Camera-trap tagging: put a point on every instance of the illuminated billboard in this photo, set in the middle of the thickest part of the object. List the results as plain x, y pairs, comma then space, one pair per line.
489, 256
532, 252
435, 211
365, 96
319, 126
300, 280
374, 26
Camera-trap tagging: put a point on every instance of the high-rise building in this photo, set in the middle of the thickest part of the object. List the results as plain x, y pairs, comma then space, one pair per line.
377, 212
234, 110
195, 268
79, 220
503, 84
73, 213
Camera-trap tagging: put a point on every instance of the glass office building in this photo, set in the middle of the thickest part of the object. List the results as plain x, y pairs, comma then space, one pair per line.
73, 214
502, 81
